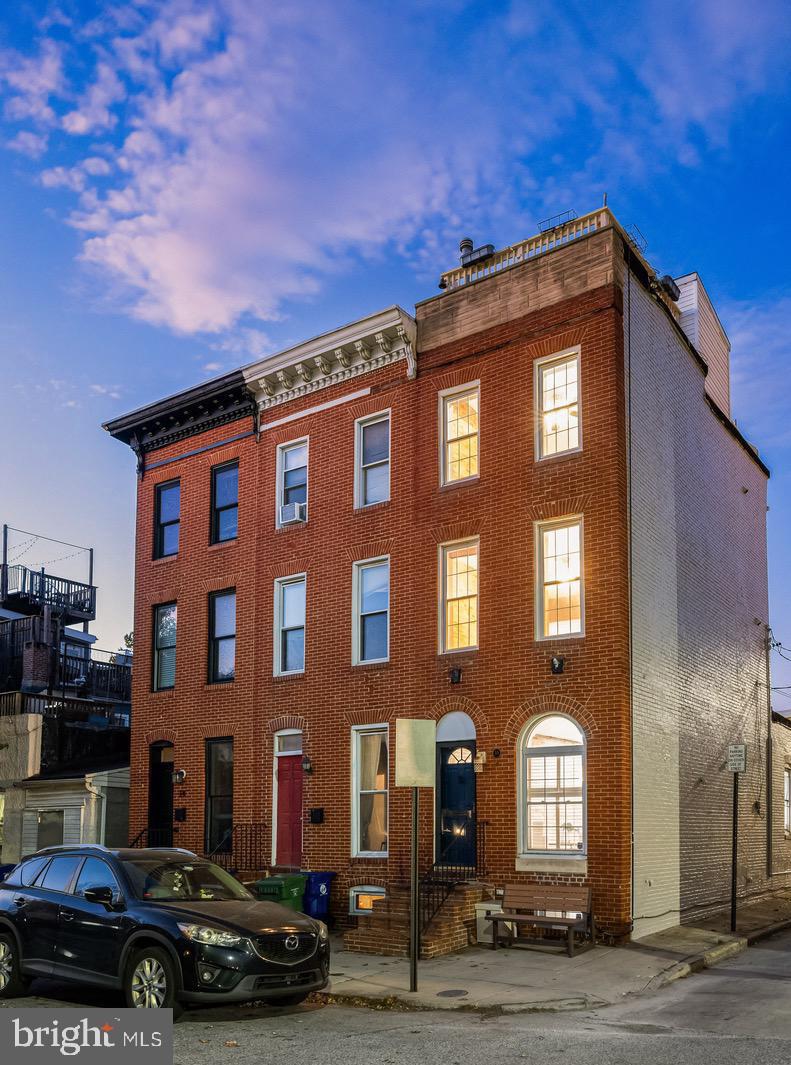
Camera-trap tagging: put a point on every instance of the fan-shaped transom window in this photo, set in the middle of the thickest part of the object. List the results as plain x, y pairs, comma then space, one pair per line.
460, 756
553, 801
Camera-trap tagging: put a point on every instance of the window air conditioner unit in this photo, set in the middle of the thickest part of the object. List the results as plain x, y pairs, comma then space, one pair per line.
292, 513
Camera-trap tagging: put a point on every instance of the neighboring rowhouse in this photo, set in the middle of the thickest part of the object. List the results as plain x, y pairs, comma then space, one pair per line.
526, 513
64, 713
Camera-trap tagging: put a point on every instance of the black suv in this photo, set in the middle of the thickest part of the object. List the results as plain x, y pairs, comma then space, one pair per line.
165, 926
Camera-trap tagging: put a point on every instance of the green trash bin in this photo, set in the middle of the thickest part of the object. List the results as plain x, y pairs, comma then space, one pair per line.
286, 888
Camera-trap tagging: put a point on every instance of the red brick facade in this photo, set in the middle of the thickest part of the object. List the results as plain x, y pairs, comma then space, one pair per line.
491, 333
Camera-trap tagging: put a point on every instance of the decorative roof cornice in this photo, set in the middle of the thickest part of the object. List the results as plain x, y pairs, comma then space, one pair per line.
352, 350
216, 402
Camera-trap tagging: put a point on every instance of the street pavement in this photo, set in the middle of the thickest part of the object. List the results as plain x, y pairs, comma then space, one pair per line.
737, 1012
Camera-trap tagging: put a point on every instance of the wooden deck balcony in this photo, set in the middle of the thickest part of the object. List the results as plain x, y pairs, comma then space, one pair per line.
28, 591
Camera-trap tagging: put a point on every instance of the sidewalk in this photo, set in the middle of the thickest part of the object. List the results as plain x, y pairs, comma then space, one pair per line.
521, 980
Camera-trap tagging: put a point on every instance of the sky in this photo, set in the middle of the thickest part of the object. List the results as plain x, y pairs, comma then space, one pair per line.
188, 185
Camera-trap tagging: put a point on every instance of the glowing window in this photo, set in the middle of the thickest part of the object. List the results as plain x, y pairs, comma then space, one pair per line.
460, 434
459, 596
560, 591
553, 787
557, 402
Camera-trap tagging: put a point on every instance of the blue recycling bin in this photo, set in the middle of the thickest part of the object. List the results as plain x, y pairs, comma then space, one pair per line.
317, 893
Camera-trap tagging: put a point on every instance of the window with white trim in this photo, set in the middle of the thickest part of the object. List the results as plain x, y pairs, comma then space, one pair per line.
459, 596
372, 460
292, 475
370, 779
459, 410
787, 801
559, 584
290, 624
371, 614
363, 897
557, 404
552, 787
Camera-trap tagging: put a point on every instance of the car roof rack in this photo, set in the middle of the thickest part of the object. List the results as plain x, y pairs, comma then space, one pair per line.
71, 847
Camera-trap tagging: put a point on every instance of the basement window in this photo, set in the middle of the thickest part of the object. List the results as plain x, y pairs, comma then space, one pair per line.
362, 899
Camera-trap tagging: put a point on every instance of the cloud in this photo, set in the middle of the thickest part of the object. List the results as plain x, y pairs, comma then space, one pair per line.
759, 331
242, 155
111, 391
28, 143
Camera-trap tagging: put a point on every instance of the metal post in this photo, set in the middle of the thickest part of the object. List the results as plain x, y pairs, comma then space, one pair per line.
735, 849
90, 583
4, 573
414, 900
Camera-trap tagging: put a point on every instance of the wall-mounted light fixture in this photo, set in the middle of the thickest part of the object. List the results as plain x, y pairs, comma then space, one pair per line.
454, 675
307, 765
557, 663
179, 776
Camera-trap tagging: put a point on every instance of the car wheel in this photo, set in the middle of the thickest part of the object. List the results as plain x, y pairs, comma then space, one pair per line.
12, 983
288, 1000
150, 981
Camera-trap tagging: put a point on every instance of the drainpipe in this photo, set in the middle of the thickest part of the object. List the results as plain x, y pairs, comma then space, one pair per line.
99, 821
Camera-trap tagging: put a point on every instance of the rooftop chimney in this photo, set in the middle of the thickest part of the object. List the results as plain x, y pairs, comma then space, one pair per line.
465, 247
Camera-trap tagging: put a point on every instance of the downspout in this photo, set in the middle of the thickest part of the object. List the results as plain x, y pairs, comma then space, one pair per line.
769, 784
99, 796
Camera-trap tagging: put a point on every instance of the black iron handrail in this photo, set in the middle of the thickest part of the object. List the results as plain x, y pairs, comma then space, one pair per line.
242, 847
450, 869
155, 838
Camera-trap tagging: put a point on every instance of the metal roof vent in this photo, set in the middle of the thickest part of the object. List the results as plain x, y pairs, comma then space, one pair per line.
469, 254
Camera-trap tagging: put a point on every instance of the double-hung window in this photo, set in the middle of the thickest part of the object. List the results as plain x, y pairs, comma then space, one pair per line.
290, 624
372, 451
292, 482
787, 801
219, 795
459, 431
459, 596
224, 502
222, 636
557, 381
371, 611
167, 519
559, 583
370, 791
164, 646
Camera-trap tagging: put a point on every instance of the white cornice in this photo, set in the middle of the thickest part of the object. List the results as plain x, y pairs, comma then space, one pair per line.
345, 353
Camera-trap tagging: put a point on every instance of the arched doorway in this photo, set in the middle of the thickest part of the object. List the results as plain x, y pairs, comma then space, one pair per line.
456, 842
160, 794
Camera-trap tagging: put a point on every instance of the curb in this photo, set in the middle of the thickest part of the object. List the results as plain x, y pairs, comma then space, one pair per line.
696, 963
767, 930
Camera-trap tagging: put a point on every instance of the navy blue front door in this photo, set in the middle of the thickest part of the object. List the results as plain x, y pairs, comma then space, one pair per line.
456, 843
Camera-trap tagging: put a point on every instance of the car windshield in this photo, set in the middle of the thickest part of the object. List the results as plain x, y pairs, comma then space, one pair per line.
155, 880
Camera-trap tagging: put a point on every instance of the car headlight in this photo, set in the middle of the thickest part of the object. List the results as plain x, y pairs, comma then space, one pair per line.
214, 937
324, 933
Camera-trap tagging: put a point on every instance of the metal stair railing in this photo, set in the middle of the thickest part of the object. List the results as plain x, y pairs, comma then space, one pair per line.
449, 869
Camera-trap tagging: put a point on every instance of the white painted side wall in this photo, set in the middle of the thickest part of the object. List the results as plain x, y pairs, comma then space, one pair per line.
655, 637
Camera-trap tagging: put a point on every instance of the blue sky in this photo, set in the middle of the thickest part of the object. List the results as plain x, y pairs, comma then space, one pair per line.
188, 184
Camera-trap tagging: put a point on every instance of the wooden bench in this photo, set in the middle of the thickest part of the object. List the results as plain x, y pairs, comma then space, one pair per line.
544, 906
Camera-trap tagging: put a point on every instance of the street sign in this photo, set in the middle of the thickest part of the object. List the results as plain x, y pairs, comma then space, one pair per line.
416, 753
737, 757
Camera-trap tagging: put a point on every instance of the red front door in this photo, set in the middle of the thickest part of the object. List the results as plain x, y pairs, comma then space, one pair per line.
289, 811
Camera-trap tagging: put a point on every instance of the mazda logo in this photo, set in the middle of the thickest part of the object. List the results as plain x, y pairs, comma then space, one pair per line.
292, 942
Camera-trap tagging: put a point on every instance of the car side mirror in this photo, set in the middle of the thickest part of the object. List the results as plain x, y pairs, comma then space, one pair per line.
105, 896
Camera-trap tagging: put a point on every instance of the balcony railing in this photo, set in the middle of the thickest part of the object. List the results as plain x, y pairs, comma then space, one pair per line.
544, 242
12, 703
29, 591
98, 677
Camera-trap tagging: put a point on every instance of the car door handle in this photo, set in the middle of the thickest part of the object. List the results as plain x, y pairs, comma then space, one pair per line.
67, 915
20, 901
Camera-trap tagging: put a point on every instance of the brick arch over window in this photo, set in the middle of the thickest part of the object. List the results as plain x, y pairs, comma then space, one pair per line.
368, 717
548, 704
466, 706
162, 735
558, 342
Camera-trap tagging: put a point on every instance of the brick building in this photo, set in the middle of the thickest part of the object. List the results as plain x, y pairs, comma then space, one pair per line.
524, 512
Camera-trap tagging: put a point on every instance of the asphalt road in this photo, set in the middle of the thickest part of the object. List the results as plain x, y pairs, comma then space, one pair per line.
738, 1012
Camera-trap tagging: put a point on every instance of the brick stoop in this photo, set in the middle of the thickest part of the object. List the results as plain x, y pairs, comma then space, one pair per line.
386, 930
